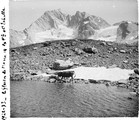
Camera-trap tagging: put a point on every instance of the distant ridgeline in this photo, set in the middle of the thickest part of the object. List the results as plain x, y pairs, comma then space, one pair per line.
55, 25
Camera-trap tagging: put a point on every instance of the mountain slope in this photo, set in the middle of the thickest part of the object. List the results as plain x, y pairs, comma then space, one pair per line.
18, 38
123, 32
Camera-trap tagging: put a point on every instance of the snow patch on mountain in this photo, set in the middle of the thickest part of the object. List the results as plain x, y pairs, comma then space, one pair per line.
85, 22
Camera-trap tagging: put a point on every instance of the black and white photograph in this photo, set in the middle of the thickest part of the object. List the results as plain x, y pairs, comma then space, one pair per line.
73, 58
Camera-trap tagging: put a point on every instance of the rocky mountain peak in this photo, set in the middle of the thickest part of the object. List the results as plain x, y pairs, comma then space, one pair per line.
55, 14
80, 14
56, 25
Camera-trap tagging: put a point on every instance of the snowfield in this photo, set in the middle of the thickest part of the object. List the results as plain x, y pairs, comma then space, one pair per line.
102, 73
99, 73
62, 32
106, 34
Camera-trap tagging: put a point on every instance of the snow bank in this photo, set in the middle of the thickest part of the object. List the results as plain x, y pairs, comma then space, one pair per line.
102, 73
98, 73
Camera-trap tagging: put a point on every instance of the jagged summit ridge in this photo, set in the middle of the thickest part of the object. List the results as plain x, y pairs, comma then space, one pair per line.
57, 17
56, 25
82, 24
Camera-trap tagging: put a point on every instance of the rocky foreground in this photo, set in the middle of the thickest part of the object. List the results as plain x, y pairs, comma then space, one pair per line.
28, 61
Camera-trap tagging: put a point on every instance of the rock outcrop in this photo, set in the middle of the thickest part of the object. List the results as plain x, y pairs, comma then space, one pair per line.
127, 32
90, 50
62, 64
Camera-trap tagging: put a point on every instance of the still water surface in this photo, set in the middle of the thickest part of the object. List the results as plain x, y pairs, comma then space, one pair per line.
42, 99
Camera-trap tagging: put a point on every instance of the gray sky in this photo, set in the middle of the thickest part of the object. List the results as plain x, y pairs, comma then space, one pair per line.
24, 12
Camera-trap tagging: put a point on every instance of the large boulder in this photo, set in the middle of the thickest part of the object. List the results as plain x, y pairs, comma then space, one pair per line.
90, 50
62, 64
136, 71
